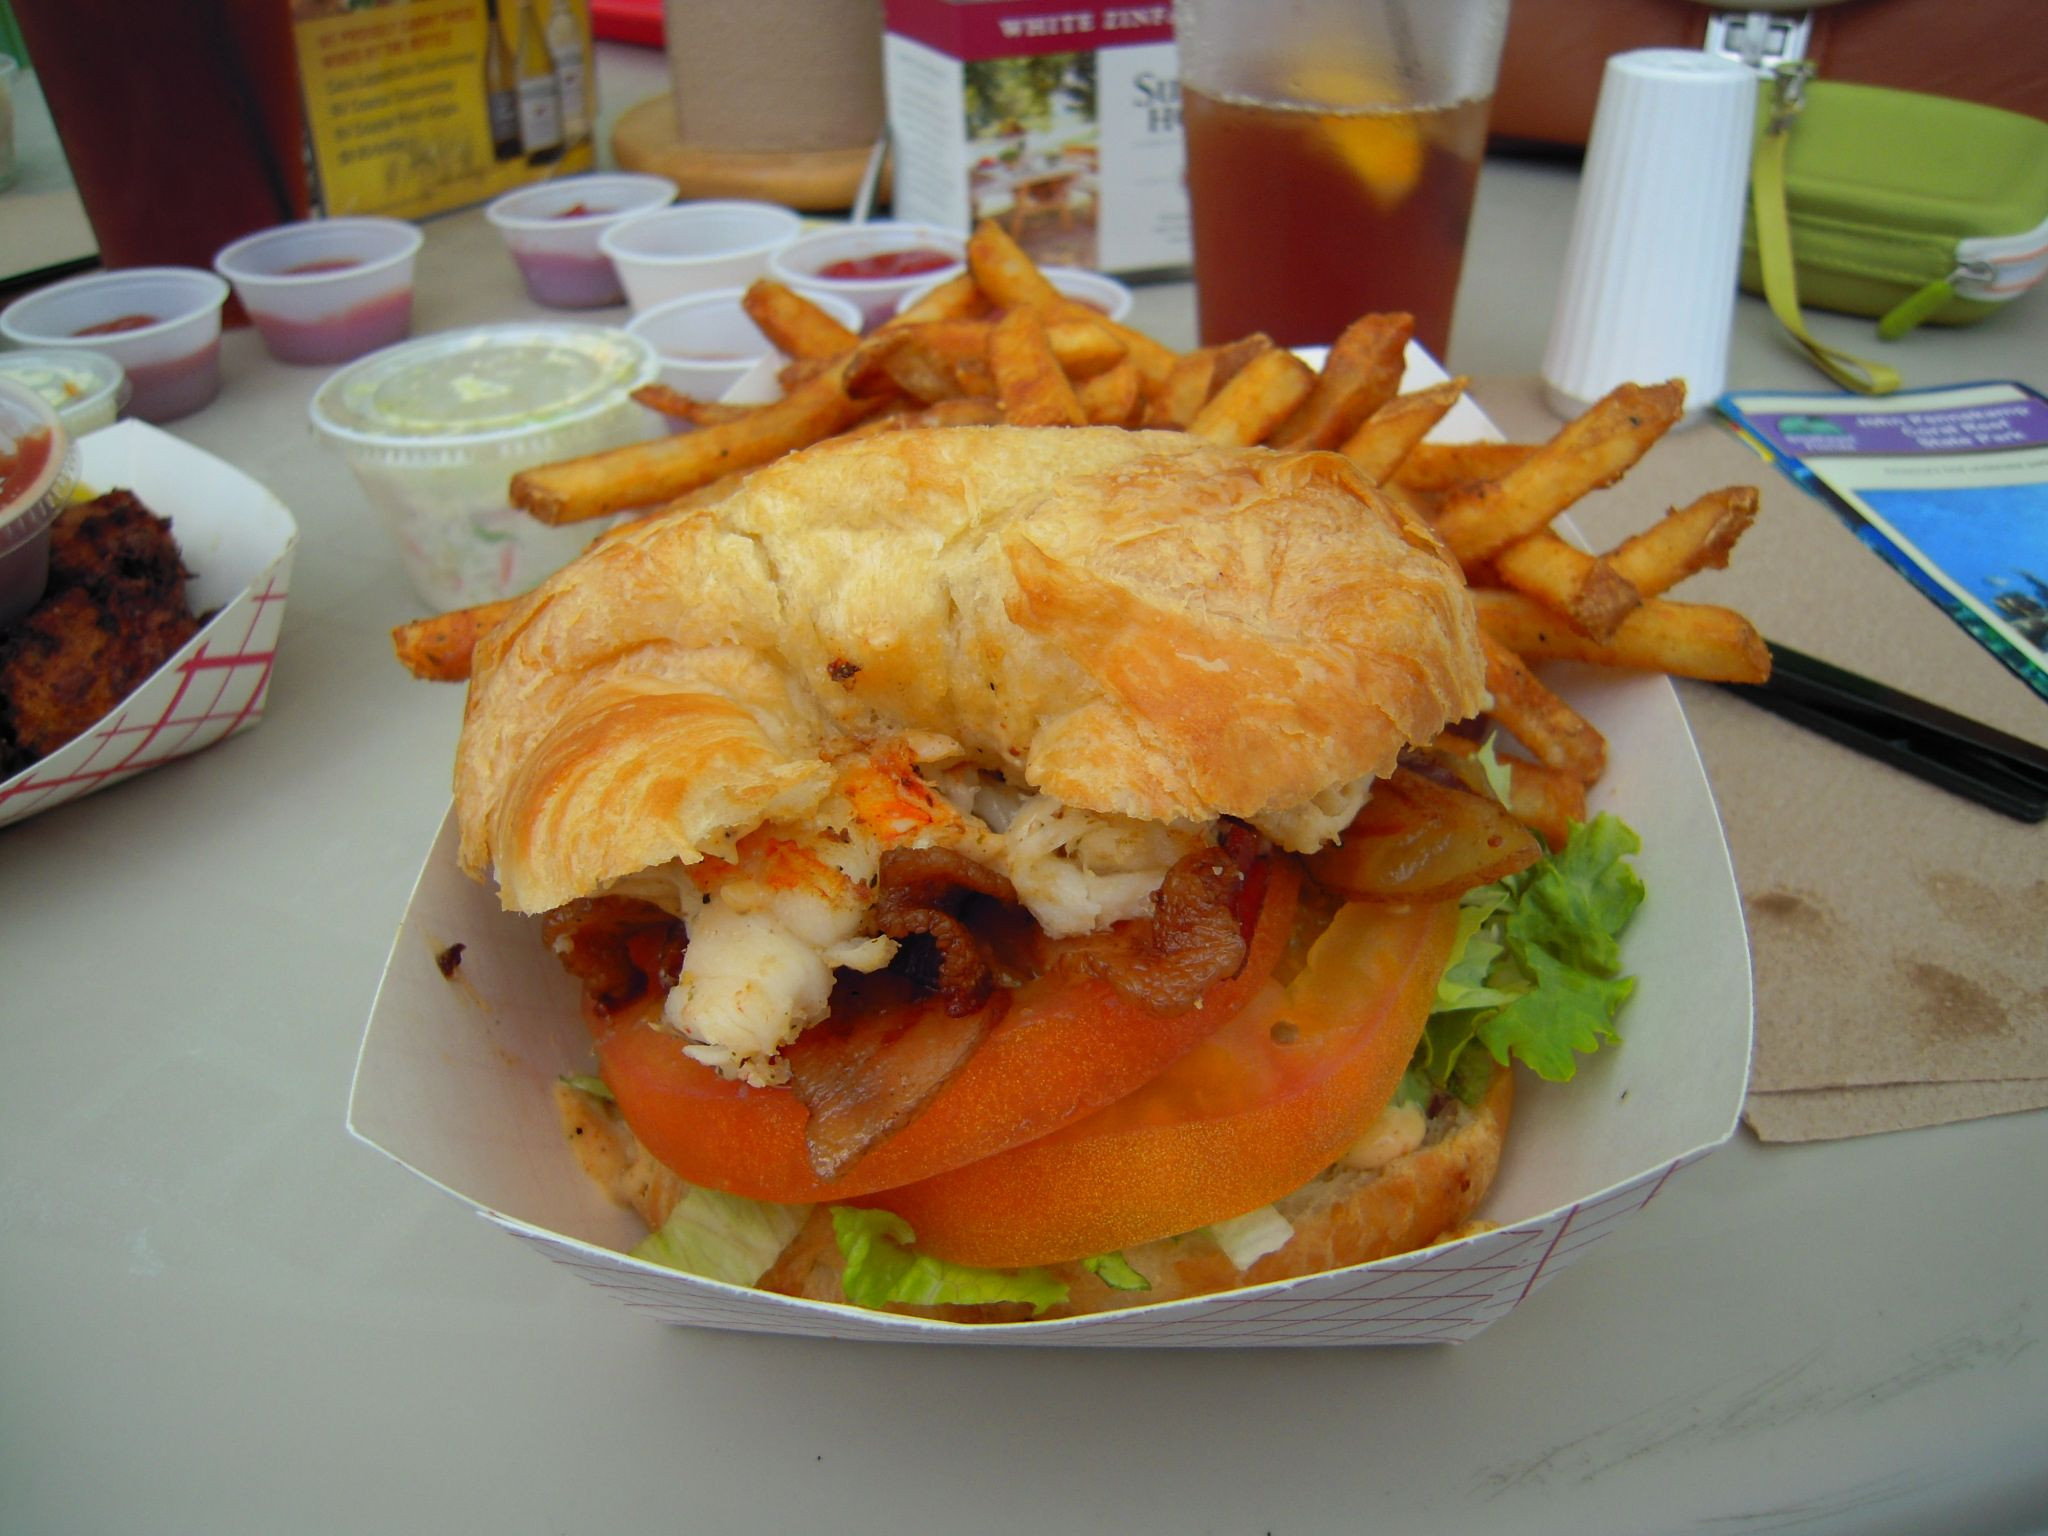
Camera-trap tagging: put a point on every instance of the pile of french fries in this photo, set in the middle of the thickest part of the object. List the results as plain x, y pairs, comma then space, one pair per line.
1000, 344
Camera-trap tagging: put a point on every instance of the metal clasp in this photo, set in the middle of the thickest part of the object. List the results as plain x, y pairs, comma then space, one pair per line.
1788, 92
1760, 39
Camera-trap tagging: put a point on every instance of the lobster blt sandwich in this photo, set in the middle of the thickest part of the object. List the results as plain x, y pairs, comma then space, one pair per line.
1020, 872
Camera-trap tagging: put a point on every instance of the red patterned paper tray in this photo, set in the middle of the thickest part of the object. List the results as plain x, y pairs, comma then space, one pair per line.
237, 541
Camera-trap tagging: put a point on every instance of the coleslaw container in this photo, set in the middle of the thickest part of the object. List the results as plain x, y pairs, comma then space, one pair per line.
436, 428
553, 231
237, 540
165, 331
42, 469
326, 290
455, 1078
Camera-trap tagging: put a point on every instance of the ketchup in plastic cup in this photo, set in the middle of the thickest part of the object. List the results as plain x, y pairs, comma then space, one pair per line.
707, 343
326, 290
869, 265
37, 468
172, 361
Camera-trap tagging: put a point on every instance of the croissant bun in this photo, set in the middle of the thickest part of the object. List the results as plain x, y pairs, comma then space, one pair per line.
1135, 622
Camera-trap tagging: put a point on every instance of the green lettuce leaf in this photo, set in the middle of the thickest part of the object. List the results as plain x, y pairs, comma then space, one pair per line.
722, 1237
1567, 1010
1532, 973
882, 1268
1116, 1272
1576, 902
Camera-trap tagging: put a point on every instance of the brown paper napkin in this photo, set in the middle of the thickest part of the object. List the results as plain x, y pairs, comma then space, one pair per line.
1899, 934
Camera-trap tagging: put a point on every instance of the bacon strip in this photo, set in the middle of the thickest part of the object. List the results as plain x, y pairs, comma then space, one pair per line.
922, 890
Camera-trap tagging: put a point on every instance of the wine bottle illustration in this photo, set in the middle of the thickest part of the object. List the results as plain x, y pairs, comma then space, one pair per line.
501, 87
540, 97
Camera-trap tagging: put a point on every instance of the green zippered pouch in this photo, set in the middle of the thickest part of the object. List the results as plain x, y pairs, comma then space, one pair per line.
1913, 208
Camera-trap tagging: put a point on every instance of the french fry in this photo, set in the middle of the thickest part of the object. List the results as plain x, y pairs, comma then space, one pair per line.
438, 649
1385, 439
800, 371
1084, 347
1033, 390
1556, 735
1264, 393
1450, 466
798, 327
921, 361
1154, 359
957, 298
1002, 271
1715, 645
1591, 595
1592, 451
681, 407
642, 474
1542, 799
1194, 379
1114, 397
1692, 538
1361, 374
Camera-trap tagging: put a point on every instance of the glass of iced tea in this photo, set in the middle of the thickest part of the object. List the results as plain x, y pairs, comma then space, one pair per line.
1333, 150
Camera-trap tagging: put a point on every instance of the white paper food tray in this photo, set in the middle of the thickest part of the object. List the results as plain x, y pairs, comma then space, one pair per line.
236, 539
456, 1074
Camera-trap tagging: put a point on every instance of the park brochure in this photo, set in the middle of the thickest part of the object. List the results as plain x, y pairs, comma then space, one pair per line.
1949, 485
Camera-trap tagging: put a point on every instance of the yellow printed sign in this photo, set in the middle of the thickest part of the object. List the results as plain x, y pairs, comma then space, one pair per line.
415, 106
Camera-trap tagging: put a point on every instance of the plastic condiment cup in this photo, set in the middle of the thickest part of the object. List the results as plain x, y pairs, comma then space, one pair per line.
85, 389
695, 247
707, 341
436, 428
37, 470
325, 290
553, 230
167, 337
801, 263
1095, 290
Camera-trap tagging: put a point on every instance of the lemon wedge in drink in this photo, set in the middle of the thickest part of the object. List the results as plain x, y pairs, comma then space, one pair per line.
1365, 127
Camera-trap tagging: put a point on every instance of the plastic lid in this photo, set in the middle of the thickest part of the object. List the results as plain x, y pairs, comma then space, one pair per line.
77, 384
497, 387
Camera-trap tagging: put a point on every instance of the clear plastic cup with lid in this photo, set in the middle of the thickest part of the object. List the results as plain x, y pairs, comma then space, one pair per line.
436, 428
85, 389
38, 467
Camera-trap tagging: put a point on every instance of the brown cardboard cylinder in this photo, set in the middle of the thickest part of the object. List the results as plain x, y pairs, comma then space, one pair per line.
776, 76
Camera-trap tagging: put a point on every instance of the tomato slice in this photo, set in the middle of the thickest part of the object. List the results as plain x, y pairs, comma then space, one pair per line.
1066, 1045
1249, 1114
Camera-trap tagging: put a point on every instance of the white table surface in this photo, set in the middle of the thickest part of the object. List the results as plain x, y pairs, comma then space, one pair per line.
218, 1313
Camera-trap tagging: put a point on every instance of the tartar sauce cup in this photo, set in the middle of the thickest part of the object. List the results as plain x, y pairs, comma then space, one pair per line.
552, 232
325, 290
871, 265
38, 467
161, 324
436, 428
